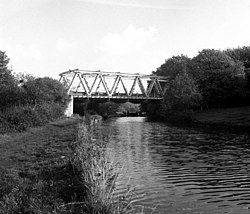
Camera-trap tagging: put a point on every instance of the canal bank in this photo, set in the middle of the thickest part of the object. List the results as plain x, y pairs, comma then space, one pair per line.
55, 169
168, 168
226, 119
35, 171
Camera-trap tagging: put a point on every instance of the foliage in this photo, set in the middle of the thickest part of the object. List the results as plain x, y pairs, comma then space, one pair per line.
219, 77
27, 101
4, 125
128, 107
180, 97
107, 109
173, 66
155, 111
215, 61
23, 78
181, 93
241, 54
40, 192
20, 118
50, 111
84, 184
45, 90
96, 174
8, 88
6, 78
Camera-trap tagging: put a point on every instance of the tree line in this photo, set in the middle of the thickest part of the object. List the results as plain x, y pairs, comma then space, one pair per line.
211, 79
27, 101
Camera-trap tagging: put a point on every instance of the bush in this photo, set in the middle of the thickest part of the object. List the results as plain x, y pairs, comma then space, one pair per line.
4, 125
50, 111
107, 109
20, 118
128, 107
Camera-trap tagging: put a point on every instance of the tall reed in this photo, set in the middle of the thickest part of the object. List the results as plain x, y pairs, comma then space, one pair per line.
97, 174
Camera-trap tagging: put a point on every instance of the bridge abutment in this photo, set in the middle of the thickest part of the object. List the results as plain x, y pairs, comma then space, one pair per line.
69, 111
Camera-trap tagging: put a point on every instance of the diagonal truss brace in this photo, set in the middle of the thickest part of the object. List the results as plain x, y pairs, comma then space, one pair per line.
68, 78
84, 85
138, 79
155, 83
116, 84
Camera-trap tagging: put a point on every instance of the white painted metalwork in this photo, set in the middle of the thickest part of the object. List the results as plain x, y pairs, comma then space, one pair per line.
115, 85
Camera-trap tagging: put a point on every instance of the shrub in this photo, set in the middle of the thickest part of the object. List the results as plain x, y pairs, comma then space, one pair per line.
108, 109
50, 111
20, 118
4, 125
128, 108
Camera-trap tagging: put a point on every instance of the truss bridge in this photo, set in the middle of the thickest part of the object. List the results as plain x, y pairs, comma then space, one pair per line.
113, 86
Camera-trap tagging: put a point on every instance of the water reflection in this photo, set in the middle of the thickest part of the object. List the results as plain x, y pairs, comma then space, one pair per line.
176, 170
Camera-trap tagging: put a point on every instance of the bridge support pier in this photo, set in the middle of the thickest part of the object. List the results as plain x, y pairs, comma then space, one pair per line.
69, 110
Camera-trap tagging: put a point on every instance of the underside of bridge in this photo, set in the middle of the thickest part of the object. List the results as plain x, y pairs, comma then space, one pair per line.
112, 87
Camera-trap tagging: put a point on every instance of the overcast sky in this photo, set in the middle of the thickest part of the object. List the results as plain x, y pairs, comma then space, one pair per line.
47, 37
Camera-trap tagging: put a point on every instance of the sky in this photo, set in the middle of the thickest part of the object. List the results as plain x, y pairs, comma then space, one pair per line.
47, 37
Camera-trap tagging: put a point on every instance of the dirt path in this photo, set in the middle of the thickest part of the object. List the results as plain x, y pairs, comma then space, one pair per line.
38, 147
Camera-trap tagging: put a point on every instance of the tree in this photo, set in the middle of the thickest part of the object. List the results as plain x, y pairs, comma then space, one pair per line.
9, 92
6, 79
241, 54
45, 90
22, 78
180, 98
219, 77
181, 94
216, 60
173, 66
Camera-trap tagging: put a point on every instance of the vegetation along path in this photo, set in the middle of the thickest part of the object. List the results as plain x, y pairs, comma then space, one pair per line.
38, 147
35, 169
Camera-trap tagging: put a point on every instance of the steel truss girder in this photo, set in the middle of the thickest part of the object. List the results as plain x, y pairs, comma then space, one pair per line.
71, 77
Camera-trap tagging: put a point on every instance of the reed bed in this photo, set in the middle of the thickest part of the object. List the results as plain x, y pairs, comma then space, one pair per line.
97, 174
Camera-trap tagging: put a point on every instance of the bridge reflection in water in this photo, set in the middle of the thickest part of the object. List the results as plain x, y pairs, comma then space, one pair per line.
112, 86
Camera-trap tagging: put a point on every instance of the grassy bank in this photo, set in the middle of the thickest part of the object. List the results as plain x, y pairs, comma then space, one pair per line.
35, 169
56, 169
232, 119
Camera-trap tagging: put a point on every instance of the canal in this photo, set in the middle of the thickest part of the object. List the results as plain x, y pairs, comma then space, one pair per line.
166, 169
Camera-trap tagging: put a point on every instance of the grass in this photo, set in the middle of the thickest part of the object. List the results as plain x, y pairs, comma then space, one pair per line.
226, 118
57, 169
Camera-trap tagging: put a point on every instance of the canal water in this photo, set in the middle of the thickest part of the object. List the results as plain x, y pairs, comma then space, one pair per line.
166, 169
